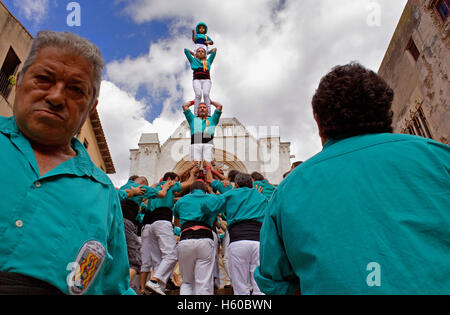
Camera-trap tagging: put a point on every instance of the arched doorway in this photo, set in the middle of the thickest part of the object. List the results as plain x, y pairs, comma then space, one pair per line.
224, 159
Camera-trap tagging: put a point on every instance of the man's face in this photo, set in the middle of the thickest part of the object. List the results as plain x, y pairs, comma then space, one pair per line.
202, 110
54, 97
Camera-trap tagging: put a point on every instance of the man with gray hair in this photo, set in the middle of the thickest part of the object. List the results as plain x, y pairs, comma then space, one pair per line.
61, 228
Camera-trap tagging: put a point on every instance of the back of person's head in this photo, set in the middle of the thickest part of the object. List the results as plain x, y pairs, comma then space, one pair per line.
142, 180
133, 178
295, 164
199, 185
243, 180
352, 100
170, 176
232, 174
286, 174
257, 176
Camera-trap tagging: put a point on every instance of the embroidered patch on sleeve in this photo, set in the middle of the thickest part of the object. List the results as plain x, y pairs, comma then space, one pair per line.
86, 267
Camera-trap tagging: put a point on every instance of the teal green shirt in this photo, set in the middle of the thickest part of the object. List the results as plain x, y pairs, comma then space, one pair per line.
168, 201
198, 64
218, 186
150, 192
53, 223
239, 204
198, 125
189, 208
122, 194
382, 199
268, 189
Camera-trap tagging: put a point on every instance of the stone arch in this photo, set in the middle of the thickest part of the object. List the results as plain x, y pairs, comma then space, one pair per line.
228, 160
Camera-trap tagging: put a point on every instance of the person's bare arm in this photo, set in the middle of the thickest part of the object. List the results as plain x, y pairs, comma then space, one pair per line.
218, 106
135, 191
209, 177
187, 168
164, 188
191, 179
187, 105
218, 175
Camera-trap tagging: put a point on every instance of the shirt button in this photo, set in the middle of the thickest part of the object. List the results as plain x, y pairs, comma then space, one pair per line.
37, 184
19, 223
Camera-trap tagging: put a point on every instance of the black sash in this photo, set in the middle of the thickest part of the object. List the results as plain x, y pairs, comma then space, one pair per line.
203, 138
199, 74
247, 230
130, 210
164, 214
17, 284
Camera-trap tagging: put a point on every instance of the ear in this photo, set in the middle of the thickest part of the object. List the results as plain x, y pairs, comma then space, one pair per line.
316, 118
322, 137
18, 80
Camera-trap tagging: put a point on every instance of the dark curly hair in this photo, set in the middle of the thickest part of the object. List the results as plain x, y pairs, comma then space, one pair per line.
199, 185
352, 100
170, 175
257, 176
244, 180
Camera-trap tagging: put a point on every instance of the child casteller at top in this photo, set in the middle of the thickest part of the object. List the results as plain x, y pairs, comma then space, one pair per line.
199, 36
201, 66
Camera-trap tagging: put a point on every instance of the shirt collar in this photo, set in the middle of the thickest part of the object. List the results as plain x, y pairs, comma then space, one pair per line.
198, 192
329, 143
80, 165
8, 126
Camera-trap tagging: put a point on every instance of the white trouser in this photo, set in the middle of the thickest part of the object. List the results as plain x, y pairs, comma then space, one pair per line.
243, 260
196, 263
202, 152
163, 250
202, 87
216, 273
146, 249
225, 244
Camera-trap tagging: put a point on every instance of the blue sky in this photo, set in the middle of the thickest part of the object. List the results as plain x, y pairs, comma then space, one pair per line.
271, 57
104, 23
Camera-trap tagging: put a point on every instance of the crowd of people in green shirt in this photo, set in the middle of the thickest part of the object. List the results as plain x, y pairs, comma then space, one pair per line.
187, 219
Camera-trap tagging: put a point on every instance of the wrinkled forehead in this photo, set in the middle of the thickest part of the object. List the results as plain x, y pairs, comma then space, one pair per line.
65, 61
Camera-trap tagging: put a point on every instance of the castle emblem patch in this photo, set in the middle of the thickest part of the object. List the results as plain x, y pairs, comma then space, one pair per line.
86, 267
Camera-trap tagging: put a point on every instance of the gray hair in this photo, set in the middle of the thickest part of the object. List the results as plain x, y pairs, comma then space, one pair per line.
244, 180
70, 41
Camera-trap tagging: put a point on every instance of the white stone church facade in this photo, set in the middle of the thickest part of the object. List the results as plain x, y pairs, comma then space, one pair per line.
235, 148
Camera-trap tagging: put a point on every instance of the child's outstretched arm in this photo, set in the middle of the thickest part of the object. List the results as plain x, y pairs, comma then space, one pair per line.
193, 36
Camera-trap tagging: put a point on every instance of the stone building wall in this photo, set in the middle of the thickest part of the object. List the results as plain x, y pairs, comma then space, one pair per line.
235, 148
12, 36
420, 78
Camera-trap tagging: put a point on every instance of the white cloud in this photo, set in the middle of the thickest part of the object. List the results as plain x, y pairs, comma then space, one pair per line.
33, 10
271, 56
122, 118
